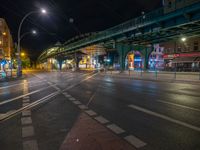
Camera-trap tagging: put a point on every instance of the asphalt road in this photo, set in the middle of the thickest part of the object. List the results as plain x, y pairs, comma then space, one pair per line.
149, 115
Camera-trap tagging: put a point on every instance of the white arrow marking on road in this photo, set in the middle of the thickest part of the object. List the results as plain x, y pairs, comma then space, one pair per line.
164, 117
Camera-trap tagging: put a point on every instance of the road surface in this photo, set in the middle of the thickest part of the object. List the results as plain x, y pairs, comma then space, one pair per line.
89, 110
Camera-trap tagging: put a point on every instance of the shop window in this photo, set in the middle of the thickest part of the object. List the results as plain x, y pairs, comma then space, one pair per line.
196, 46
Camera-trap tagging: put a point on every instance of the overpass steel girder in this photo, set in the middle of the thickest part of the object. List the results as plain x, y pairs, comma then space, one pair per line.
154, 24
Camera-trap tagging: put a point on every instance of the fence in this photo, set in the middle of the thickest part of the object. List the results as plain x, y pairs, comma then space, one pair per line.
157, 75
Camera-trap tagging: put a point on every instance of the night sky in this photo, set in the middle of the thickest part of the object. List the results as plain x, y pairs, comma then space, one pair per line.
88, 16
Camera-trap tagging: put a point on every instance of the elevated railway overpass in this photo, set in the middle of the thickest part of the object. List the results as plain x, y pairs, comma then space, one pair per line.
173, 21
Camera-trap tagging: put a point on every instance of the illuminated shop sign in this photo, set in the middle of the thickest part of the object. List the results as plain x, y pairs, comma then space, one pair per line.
197, 54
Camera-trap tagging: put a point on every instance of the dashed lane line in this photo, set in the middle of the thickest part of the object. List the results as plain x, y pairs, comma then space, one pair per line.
83, 107
30, 145
165, 117
72, 99
101, 119
26, 113
91, 112
76, 102
27, 131
135, 141
26, 120
116, 129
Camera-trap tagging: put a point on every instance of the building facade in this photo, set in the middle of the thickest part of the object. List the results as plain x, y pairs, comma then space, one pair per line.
6, 45
182, 54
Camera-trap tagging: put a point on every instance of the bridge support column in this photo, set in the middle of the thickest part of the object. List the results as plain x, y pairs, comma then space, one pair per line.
60, 62
146, 52
122, 49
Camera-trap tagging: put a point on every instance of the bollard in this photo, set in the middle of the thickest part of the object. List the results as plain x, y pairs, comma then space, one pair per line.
156, 74
175, 75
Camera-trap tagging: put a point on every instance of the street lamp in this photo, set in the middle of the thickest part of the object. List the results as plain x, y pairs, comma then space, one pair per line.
22, 54
43, 11
34, 32
183, 39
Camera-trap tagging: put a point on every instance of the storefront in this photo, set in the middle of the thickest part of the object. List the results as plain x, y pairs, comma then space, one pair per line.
183, 61
134, 60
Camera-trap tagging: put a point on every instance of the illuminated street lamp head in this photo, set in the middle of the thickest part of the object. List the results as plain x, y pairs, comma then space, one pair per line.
4, 33
183, 39
22, 54
34, 32
43, 11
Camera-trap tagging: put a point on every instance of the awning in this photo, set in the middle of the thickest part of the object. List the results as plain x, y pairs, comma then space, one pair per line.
186, 59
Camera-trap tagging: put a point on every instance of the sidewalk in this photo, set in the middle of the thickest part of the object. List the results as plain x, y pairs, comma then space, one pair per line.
9, 78
88, 134
187, 77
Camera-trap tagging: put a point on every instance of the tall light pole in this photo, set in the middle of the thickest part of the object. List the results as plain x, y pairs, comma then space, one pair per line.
19, 72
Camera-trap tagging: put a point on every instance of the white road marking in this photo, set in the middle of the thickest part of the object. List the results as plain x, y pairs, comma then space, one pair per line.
26, 97
101, 119
31, 105
115, 128
135, 141
183, 106
91, 98
76, 102
65, 93
30, 145
2, 116
68, 96
21, 96
18, 84
25, 104
82, 107
26, 120
26, 100
80, 82
91, 112
27, 131
26, 113
72, 99
165, 117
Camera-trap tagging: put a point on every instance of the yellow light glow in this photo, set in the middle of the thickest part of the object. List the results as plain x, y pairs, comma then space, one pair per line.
0, 42
4, 33
22, 54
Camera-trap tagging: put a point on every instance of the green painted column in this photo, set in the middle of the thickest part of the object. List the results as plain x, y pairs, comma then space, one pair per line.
122, 49
146, 53
60, 62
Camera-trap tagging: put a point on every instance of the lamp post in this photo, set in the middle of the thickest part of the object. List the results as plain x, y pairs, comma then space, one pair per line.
19, 72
